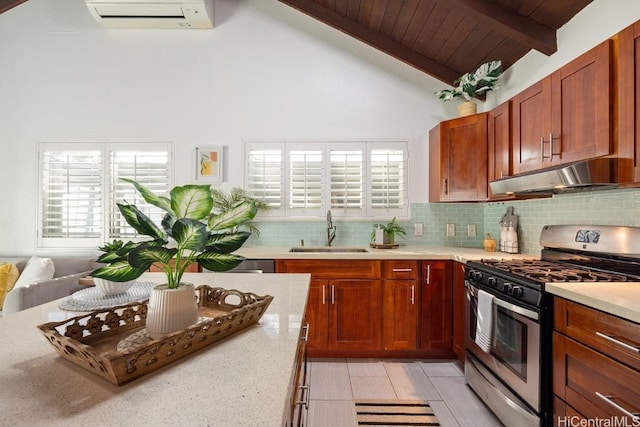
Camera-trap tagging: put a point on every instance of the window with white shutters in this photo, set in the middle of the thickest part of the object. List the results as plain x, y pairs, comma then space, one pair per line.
353, 179
80, 186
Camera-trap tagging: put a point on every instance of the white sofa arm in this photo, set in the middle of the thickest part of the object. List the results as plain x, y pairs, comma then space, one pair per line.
28, 296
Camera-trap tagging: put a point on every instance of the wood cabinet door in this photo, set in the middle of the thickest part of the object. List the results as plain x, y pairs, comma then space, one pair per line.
531, 119
629, 104
499, 143
355, 315
400, 315
458, 160
458, 310
581, 97
595, 385
436, 306
317, 314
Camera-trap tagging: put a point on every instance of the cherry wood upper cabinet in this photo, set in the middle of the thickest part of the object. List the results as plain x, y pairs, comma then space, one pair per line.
499, 143
629, 104
567, 116
458, 160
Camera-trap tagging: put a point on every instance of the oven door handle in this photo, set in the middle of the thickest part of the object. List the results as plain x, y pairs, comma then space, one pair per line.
530, 314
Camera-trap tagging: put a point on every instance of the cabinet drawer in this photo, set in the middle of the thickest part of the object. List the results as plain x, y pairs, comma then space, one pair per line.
613, 336
400, 270
592, 383
332, 269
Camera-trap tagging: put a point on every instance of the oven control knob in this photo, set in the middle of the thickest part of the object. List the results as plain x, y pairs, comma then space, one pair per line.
476, 275
508, 288
492, 281
517, 291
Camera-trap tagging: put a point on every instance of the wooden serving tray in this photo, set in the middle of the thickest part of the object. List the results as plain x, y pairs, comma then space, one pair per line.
91, 340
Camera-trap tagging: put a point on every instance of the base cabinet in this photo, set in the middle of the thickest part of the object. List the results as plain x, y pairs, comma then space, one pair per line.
400, 305
391, 308
459, 295
595, 364
436, 308
300, 388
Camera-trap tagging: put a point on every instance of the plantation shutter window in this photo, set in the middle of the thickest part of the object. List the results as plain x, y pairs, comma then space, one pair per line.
305, 179
80, 186
354, 179
149, 168
71, 200
347, 181
264, 175
388, 180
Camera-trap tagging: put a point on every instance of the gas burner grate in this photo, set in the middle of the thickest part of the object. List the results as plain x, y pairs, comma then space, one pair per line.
545, 271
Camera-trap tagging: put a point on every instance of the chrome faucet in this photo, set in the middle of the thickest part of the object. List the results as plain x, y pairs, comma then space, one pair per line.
331, 229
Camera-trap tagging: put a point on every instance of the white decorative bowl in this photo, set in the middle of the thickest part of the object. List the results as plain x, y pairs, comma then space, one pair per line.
108, 287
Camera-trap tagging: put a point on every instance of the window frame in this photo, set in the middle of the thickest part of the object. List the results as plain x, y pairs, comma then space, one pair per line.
105, 148
366, 146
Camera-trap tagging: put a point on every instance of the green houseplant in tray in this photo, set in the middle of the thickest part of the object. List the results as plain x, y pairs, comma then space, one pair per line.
390, 230
190, 231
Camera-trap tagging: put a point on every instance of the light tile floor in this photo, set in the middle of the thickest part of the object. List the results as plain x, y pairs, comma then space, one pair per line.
336, 382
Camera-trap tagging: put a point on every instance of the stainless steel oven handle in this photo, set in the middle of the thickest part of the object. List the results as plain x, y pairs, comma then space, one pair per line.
516, 309
609, 400
530, 314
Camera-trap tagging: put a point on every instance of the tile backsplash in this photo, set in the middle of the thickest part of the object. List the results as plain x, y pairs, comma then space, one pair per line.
613, 207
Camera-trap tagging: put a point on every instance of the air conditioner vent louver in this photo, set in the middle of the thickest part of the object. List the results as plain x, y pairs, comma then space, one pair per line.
152, 13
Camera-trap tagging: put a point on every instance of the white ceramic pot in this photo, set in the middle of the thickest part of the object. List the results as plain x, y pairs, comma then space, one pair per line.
171, 310
108, 287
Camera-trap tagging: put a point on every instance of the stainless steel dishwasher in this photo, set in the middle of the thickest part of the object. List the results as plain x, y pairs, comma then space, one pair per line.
253, 266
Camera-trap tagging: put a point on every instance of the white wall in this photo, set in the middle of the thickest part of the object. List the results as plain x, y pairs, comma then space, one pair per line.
265, 72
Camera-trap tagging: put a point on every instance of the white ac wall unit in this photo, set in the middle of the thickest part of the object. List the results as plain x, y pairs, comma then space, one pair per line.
183, 14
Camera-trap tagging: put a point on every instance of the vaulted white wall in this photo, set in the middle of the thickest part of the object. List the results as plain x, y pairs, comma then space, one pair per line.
265, 72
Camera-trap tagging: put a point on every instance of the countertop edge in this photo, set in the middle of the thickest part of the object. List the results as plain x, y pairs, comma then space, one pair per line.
622, 301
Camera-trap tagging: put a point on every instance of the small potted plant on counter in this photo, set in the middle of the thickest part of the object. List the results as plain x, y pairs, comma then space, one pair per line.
190, 232
470, 85
385, 234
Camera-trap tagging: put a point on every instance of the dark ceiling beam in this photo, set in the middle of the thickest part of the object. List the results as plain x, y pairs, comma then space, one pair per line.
8, 4
518, 27
398, 51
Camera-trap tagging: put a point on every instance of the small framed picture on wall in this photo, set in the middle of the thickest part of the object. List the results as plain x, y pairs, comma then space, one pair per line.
209, 164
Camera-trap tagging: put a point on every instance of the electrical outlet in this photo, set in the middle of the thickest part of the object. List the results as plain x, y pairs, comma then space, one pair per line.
451, 230
417, 229
471, 230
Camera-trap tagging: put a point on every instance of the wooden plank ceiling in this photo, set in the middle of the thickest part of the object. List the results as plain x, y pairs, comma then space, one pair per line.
447, 38
443, 38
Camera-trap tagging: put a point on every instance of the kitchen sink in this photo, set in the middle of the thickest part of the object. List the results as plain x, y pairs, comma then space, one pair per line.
326, 249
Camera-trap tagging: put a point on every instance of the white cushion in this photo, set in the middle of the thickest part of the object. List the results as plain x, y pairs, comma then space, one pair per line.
36, 270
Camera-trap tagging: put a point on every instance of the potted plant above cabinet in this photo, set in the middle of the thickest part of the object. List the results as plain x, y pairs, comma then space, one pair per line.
471, 85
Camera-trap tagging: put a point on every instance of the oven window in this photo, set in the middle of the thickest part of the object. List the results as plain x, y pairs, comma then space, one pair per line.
510, 343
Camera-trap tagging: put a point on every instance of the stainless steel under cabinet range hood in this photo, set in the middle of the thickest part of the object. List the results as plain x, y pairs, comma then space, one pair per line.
594, 174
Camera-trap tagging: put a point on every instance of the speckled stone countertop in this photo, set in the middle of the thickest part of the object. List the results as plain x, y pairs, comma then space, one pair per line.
409, 252
620, 299
240, 381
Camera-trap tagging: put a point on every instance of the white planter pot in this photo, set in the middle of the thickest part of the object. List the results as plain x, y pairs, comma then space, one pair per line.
171, 310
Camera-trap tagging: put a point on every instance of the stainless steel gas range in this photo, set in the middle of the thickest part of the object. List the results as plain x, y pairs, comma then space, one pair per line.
508, 315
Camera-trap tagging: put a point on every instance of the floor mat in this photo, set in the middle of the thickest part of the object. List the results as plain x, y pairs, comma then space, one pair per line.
395, 413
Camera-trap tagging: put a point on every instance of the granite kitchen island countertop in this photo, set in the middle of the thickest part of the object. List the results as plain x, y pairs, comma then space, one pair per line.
242, 380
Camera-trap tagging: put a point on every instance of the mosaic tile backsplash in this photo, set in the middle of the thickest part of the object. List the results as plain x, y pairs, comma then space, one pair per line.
613, 207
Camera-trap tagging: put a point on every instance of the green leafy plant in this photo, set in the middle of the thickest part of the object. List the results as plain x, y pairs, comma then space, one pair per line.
390, 230
470, 85
190, 232
223, 202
